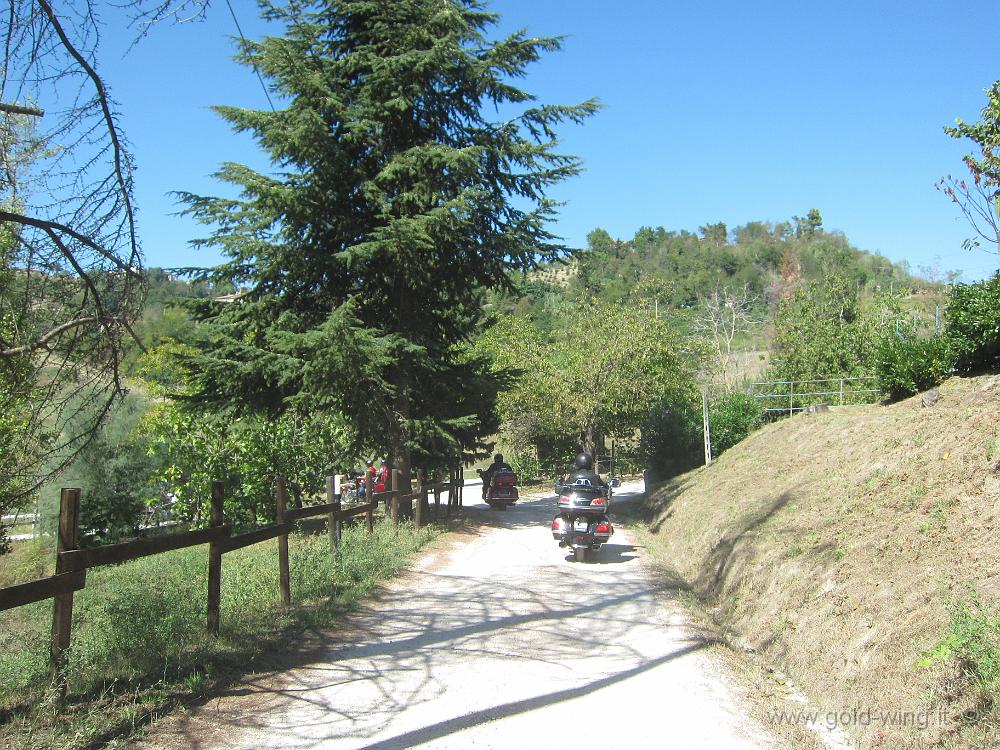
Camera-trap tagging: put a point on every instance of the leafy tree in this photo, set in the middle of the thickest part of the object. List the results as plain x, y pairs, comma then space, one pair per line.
808, 225
972, 325
671, 440
907, 365
980, 200
823, 331
195, 447
16, 385
600, 375
600, 241
732, 418
717, 233
115, 472
397, 203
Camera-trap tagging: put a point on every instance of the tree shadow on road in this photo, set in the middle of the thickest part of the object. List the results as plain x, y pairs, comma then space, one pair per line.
400, 653
506, 710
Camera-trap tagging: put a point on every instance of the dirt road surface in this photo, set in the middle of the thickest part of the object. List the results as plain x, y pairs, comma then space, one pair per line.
496, 639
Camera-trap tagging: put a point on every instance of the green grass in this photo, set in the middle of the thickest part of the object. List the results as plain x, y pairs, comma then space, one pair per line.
974, 640
139, 638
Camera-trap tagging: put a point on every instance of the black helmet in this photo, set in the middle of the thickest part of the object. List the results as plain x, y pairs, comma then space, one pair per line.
584, 461
369, 462
498, 458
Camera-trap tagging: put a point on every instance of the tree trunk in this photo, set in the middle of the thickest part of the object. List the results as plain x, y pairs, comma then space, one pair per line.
399, 377
399, 455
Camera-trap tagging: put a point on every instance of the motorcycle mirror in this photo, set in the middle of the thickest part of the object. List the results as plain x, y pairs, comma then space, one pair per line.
479, 472
616, 483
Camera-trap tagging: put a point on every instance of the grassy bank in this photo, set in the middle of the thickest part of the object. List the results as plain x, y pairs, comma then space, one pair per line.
856, 551
139, 642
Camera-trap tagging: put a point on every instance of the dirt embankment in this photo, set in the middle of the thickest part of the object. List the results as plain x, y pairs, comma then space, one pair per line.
830, 542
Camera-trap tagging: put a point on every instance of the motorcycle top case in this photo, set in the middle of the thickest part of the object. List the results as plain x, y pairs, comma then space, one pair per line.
586, 500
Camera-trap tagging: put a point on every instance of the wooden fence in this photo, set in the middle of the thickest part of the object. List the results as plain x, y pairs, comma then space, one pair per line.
72, 562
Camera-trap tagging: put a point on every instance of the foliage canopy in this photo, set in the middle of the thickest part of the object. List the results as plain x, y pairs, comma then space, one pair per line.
397, 203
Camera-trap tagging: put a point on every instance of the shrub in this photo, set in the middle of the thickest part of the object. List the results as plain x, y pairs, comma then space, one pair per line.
732, 418
907, 366
525, 464
672, 438
973, 639
973, 324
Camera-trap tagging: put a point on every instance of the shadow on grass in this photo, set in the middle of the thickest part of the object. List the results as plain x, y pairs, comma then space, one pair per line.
724, 555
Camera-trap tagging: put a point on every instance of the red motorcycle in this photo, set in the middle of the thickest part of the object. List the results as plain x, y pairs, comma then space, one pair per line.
502, 492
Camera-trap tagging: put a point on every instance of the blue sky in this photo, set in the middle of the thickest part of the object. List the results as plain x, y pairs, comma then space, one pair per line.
714, 111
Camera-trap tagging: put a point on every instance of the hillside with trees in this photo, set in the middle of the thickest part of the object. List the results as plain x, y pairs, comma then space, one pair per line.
674, 313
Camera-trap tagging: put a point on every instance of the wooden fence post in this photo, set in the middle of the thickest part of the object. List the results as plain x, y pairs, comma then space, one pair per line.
437, 494
460, 475
62, 609
418, 511
284, 576
394, 498
334, 515
215, 560
369, 491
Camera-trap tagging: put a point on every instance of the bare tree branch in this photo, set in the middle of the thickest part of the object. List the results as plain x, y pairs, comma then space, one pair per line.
724, 315
43, 340
16, 109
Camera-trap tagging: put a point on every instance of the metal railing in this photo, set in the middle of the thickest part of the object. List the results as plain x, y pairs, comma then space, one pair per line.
790, 396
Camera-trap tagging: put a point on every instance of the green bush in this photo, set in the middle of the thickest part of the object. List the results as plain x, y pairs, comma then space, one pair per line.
907, 366
731, 418
973, 324
525, 464
973, 640
672, 441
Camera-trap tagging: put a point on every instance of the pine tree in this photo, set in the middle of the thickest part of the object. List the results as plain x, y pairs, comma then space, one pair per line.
398, 203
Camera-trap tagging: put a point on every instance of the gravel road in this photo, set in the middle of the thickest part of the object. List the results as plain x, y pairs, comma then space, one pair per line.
494, 640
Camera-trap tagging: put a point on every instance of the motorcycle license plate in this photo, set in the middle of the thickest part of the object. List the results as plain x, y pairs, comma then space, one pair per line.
581, 525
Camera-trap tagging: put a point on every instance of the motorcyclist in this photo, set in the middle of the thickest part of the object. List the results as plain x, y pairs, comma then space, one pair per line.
584, 500
497, 465
584, 473
382, 476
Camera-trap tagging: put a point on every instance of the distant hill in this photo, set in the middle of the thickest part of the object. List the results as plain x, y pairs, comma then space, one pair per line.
673, 269
671, 272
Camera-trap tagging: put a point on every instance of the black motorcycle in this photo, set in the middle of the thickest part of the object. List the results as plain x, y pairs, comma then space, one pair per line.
582, 523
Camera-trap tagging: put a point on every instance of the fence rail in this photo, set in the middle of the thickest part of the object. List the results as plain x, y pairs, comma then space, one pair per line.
790, 396
72, 562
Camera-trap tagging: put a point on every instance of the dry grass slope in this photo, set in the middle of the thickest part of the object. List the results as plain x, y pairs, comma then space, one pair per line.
831, 541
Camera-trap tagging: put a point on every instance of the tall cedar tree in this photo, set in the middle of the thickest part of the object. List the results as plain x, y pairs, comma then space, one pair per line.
398, 203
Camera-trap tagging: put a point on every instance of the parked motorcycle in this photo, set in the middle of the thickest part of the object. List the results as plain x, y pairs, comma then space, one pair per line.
502, 492
582, 523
